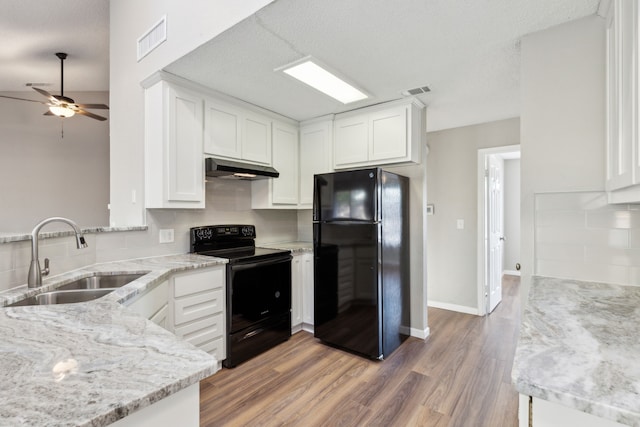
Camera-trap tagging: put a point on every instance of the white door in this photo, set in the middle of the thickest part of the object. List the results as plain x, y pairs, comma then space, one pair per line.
495, 230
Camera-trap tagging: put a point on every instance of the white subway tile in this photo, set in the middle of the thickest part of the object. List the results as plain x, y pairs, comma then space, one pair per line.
570, 201
612, 256
581, 271
634, 238
556, 268
110, 241
618, 218
573, 253
563, 219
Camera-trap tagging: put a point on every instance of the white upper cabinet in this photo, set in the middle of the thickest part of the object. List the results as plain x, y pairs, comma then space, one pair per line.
389, 134
256, 138
623, 145
383, 134
351, 143
174, 168
222, 124
281, 192
285, 161
315, 156
236, 133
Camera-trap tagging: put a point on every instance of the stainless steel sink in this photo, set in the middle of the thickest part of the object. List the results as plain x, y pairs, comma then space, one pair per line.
81, 290
101, 281
63, 297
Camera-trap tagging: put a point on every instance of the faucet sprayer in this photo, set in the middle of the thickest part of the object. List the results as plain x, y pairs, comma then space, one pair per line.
35, 273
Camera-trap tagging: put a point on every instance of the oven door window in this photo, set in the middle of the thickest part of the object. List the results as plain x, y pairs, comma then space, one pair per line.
258, 291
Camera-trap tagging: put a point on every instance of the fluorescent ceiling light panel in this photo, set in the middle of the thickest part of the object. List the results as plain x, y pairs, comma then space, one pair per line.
318, 78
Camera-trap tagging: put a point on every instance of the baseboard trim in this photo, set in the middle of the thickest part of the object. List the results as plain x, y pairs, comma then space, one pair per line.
415, 332
511, 272
453, 307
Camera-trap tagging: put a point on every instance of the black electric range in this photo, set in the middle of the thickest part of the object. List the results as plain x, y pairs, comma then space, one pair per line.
258, 289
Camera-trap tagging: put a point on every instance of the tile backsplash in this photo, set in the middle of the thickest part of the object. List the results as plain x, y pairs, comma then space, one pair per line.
228, 202
580, 236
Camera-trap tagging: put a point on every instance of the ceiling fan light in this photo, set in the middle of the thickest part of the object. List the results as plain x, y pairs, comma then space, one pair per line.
61, 111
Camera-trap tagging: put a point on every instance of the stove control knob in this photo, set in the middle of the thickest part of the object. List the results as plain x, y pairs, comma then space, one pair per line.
246, 231
204, 234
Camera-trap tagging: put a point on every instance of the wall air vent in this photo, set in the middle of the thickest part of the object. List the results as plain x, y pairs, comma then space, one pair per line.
152, 38
416, 91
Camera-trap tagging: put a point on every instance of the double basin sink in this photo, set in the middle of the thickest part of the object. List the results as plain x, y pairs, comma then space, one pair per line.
81, 290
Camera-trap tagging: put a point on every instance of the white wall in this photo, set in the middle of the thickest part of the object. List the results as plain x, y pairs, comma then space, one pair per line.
43, 174
452, 189
562, 118
188, 26
511, 214
417, 247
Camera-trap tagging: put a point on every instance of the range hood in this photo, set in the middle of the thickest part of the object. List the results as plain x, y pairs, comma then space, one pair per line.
236, 170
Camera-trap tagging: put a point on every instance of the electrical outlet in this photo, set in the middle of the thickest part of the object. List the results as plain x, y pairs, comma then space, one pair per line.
166, 235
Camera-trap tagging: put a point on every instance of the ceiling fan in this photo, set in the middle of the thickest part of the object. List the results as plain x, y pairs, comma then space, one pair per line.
60, 105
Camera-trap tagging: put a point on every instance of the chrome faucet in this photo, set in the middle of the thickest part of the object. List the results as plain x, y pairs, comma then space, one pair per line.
35, 274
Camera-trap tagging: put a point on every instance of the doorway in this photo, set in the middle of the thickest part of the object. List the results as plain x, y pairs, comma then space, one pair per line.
491, 222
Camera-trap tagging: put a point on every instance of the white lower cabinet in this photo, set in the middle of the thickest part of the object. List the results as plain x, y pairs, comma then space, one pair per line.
179, 409
307, 292
296, 293
549, 414
302, 293
153, 305
198, 309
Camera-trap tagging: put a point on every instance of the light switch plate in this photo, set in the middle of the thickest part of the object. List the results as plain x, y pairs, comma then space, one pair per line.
166, 235
460, 224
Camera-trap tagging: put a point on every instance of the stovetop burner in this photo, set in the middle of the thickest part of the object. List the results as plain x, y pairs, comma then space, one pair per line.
243, 253
233, 242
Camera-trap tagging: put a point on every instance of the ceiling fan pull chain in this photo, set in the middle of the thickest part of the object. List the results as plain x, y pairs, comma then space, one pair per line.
61, 128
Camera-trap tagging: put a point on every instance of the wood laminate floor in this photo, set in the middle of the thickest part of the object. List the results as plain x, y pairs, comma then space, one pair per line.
458, 376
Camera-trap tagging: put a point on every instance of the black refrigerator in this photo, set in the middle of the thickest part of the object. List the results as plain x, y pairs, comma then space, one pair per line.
361, 260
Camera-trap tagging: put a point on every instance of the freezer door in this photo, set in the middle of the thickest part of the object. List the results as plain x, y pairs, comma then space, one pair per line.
346, 196
346, 288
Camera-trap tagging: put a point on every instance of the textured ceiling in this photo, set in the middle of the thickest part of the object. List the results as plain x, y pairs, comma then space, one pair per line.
466, 51
32, 31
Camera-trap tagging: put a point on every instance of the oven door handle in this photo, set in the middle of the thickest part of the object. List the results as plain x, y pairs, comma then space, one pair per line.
247, 266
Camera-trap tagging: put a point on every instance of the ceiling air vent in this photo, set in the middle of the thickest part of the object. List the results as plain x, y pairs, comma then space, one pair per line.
152, 38
416, 91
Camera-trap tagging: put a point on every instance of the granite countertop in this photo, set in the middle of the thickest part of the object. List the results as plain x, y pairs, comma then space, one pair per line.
96, 362
294, 247
578, 346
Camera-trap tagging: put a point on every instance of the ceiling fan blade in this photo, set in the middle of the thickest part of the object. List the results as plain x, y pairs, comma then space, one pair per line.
48, 113
22, 99
47, 94
88, 114
93, 106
